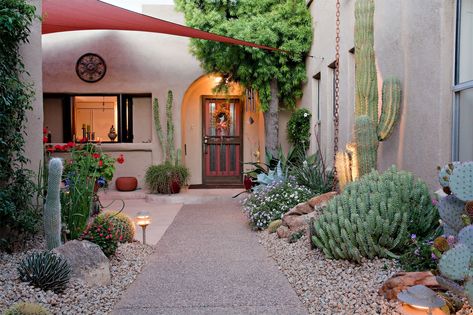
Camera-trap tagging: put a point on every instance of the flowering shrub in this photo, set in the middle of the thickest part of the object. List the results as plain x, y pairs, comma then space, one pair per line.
272, 201
102, 232
298, 129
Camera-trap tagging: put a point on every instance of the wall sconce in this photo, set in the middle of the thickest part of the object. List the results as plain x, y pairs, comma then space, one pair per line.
143, 219
420, 300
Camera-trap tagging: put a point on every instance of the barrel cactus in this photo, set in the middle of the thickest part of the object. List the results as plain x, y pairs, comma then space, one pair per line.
52, 207
457, 263
370, 127
122, 225
45, 270
375, 216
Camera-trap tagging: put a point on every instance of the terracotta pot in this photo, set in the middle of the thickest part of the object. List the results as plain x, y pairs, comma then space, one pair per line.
175, 187
126, 183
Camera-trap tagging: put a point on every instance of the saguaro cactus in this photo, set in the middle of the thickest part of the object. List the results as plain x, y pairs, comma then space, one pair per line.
52, 207
378, 127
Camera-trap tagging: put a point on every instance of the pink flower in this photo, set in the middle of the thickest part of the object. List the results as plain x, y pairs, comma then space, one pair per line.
96, 156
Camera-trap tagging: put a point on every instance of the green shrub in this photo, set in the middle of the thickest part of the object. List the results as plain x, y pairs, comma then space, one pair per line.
26, 308
102, 232
375, 216
18, 217
298, 129
312, 174
159, 177
419, 256
270, 202
122, 225
45, 270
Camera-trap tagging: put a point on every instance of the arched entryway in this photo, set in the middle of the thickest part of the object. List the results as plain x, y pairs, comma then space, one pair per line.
219, 133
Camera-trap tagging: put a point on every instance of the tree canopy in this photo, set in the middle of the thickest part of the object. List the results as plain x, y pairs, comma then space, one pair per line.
284, 24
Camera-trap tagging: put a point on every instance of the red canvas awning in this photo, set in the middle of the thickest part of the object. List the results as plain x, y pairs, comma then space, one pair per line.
76, 15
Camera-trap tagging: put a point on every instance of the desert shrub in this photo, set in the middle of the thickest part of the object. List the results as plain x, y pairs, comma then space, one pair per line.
45, 270
375, 216
122, 225
159, 177
270, 202
26, 308
312, 174
102, 232
419, 256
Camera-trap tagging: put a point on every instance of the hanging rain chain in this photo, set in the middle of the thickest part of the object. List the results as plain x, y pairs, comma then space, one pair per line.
337, 93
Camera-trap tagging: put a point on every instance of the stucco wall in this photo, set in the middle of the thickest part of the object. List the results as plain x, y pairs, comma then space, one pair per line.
31, 53
414, 40
139, 62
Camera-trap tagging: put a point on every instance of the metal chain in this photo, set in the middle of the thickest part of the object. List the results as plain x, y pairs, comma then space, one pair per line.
337, 92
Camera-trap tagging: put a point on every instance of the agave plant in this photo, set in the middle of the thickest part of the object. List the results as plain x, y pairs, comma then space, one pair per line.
45, 270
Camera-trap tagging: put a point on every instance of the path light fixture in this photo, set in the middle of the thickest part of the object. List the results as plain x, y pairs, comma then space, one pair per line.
143, 219
420, 300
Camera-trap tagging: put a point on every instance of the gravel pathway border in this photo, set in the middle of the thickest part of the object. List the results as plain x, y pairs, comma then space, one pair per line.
77, 298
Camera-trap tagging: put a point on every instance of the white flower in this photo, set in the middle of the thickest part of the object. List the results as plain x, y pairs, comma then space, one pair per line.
305, 114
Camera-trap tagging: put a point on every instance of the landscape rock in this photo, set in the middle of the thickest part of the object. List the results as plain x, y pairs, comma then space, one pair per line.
295, 223
321, 201
87, 262
403, 280
283, 231
300, 209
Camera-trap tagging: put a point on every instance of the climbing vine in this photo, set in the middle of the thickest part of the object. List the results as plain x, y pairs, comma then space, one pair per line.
17, 214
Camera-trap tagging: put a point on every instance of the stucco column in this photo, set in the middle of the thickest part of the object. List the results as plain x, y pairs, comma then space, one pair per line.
32, 58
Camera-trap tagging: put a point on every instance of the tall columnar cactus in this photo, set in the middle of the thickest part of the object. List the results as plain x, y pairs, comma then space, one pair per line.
366, 93
52, 207
166, 141
375, 217
170, 154
159, 128
457, 263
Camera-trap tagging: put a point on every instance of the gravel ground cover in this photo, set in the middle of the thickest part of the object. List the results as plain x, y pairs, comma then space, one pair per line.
77, 298
334, 286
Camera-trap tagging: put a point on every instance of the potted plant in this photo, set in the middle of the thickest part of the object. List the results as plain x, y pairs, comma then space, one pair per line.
166, 178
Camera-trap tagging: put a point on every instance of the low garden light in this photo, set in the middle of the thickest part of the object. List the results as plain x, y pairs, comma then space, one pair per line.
420, 300
143, 219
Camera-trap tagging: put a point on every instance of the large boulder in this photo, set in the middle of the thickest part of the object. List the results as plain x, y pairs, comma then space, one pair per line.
404, 280
87, 262
298, 218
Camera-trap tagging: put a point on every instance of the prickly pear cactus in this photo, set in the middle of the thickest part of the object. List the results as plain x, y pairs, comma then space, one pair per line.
457, 263
451, 210
52, 207
461, 181
445, 172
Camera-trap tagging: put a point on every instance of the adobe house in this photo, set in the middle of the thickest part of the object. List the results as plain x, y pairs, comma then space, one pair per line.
426, 43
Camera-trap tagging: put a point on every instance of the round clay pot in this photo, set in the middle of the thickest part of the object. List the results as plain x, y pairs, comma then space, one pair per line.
175, 187
126, 183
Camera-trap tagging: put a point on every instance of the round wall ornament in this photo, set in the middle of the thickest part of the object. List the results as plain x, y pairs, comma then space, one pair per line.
91, 67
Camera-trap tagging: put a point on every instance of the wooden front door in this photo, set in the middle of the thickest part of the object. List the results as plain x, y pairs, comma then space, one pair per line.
222, 141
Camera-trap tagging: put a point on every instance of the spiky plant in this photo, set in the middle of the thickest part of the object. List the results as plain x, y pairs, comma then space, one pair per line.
45, 270
122, 225
52, 207
375, 216
26, 308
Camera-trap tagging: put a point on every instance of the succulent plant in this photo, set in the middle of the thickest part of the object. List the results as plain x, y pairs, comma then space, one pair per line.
457, 263
461, 181
375, 216
274, 225
441, 244
445, 172
451, 210
273, 176
26, 308
122, 225
45, 270
52, 207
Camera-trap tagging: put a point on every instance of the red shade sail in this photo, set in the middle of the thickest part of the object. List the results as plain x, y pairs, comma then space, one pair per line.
76, 15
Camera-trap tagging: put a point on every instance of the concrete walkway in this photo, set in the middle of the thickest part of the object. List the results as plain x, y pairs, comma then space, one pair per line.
209, 262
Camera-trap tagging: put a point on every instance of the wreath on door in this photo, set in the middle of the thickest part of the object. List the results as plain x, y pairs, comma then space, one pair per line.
222, 118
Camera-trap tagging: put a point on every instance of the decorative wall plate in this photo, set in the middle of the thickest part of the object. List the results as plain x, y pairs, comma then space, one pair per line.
91, 67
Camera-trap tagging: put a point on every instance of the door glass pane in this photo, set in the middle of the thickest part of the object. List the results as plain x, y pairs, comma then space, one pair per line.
465, 46
466, 127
